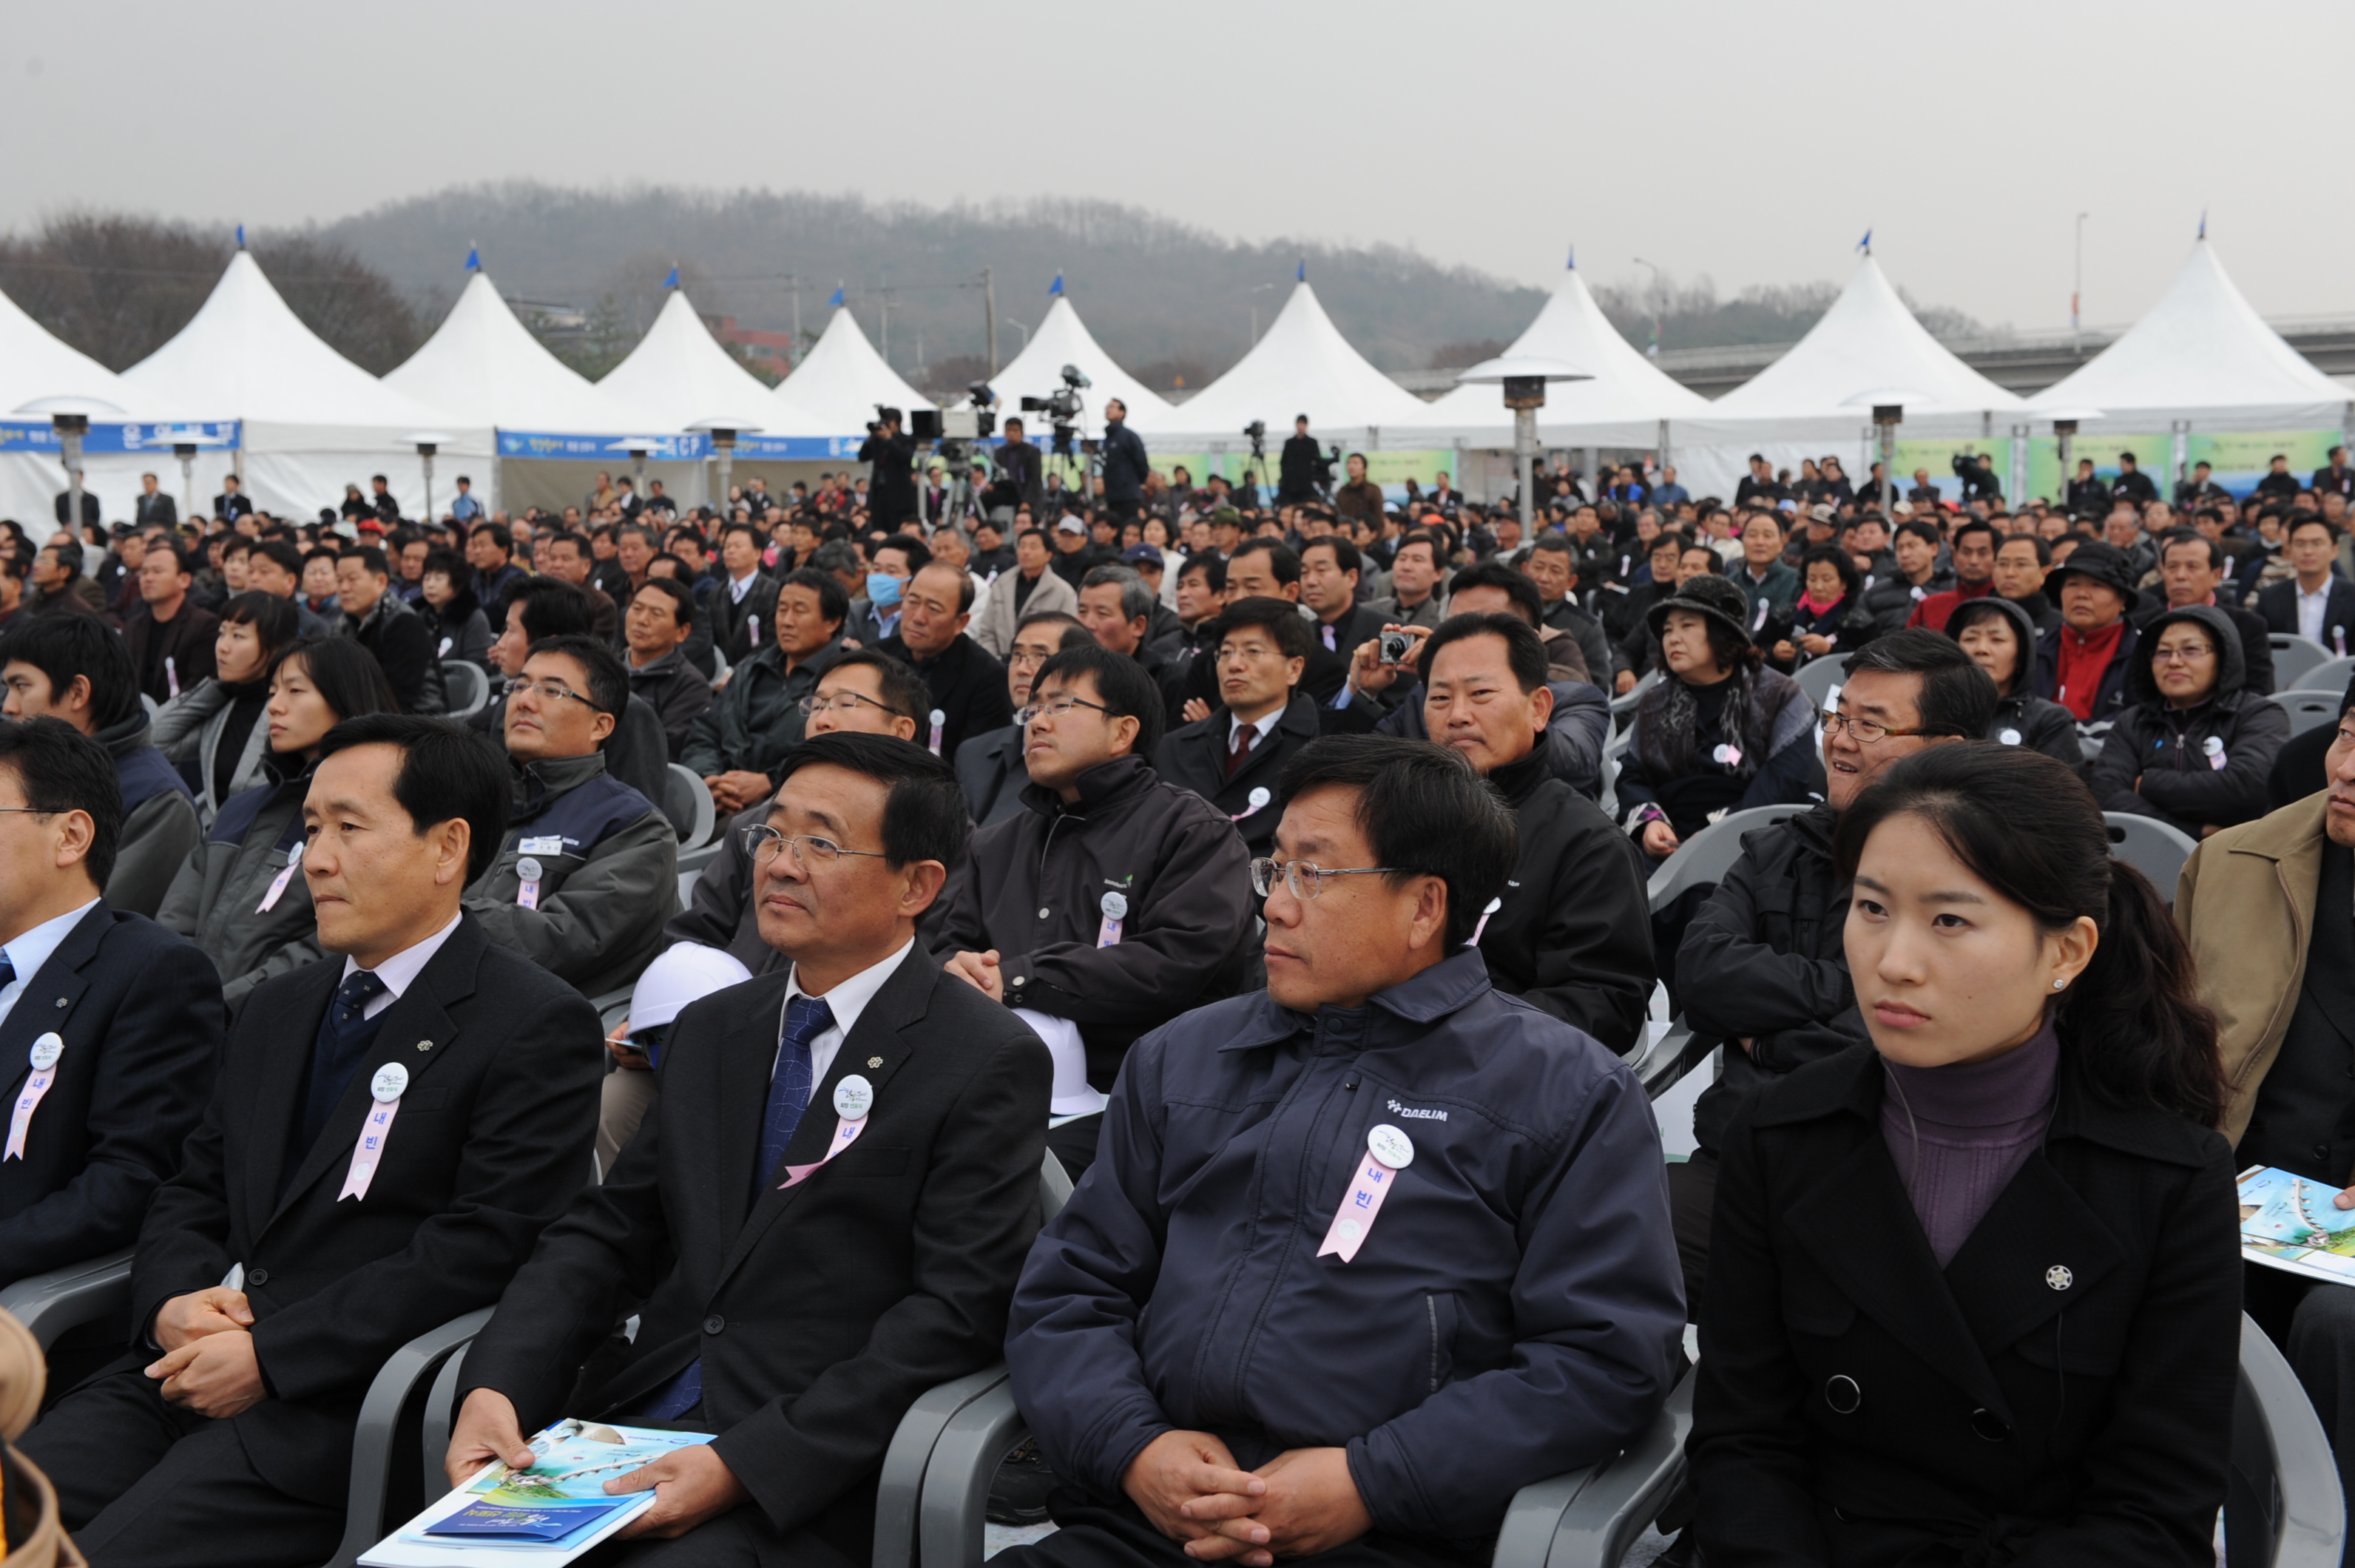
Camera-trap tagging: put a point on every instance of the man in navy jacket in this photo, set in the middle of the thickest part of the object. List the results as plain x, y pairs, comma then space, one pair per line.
1238, 1329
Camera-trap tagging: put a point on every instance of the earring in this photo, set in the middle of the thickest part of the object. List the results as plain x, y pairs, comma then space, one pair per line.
2058, 984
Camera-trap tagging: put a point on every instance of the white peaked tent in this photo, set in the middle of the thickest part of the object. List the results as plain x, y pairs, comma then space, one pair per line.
2201, 355
313, 421
35, 363
483, 367
834, 389
1302, 366
1062, 338
1817, 399
1622, 405
679, 375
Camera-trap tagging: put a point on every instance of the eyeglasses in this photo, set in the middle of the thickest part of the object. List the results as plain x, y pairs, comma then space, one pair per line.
1864, 731
763, 842
1056, 709
1305, 878
553, 691
2186, 654
844, 702
28, 810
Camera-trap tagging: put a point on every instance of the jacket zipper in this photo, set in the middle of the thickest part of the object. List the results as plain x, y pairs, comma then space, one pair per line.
1430, 1309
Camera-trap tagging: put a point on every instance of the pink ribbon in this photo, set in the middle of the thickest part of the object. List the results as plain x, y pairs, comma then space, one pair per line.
846, 1133
20, 1121
1363, 1201
277, 888
369, 1151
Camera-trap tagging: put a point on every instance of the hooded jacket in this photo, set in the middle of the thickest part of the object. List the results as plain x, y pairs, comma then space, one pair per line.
2197, 767
1760, 756
216, 899
1514, 1310
608, 879
758, 718
190, 728
1034, 888
679, 694
2023, 718
159, 818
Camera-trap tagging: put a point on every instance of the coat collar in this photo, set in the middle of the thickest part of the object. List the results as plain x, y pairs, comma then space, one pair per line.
1106, 784
58, 979
2294, 833
1447, 986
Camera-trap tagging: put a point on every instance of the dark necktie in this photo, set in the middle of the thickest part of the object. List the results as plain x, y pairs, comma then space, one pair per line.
1245, 737
344, 1039
7, 974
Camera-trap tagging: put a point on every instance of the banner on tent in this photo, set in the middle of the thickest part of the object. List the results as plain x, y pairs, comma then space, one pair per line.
1388, 469
2238, 458
684, 448
800, 448
41, 436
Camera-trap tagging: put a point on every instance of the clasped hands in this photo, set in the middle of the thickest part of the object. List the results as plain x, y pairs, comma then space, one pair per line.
209, 1365
1300, 1502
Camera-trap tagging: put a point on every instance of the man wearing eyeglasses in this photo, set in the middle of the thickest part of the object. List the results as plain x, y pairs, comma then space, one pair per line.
588, 870
1373, 1248
1113, 902
1763, 963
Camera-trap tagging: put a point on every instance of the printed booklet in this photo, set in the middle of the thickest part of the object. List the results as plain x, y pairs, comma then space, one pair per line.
2289, 1222
548, 1514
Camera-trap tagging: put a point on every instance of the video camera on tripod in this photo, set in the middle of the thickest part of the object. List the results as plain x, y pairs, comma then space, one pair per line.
1062, 407
954, 433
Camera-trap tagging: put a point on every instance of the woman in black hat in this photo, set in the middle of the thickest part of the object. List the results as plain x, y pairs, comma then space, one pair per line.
2081, 664
2194, 748
1720, 733
2001, 636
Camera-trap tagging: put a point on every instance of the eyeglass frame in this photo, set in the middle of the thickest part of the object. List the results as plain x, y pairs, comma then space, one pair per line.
2181, 655
1316, 873
809, 710
1834, 721
756, 836
561, 691
1031, 711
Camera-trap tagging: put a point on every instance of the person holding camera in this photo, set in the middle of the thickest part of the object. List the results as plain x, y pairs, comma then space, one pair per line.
1125, 465
891, 485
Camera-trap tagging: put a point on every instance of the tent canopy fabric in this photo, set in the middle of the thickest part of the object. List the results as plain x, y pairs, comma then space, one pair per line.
2202, 354
834, 389
678, 376
1621, 406
1302, 365
1062, 338
483, 367
35, 363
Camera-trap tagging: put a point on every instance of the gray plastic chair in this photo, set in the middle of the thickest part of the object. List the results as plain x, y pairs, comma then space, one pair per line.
689, 805
1622, 705
2330, 675
2309, 709
49, 1303
1591, 1517
2150, 847
467, 691
2294, 659
1703, 859
2282, 1503
1820, 677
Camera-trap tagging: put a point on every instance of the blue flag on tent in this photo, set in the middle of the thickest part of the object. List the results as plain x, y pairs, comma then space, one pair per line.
1302, 275
671, 282
1574, 258
1865, 244
241, 236
1057, 286
835, 299
474, 259
2203, 223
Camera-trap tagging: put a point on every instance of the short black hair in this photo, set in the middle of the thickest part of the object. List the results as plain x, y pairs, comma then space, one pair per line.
904, 692
346, 676
918, 553
1492, 574
69, 556
447, 772
1424, 811
1524, 649
1976, 525
1213, 567
2043, 550
1283, 562
833, 604
1280, 618
1959, 697
274, 619
925, 815
681, 597
497, 533
609, 678
283, 555
739, 526
61, 769
1345, 554
2303, 519
2193, 535
1122, 686
1926, 532
552, 608
368, 555
579, 542
63, 646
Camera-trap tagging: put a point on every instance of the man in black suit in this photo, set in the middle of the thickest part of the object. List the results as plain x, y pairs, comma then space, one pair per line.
232, 503
2317, 603
1234, 758
1329, 569
390, 1130
965, 688
799, 1290
154, 507
110, 1025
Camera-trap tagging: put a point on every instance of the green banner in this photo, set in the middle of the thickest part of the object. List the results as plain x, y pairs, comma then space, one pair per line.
2238, 458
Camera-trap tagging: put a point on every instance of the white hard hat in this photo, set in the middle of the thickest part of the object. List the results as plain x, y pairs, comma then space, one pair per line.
683, 973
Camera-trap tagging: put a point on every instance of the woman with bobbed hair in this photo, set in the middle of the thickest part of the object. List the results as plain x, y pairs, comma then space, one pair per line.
1973, 1288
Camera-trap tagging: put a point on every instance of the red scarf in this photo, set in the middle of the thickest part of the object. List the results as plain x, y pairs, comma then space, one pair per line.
2083, 657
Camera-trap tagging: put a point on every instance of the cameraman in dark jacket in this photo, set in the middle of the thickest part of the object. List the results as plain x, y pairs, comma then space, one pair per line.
1301, 467
1125, 465
892, 481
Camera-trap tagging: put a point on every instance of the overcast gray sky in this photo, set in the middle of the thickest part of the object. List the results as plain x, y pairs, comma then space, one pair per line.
1752, 142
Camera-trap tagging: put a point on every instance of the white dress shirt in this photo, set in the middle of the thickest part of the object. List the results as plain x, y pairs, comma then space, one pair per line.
27, 953
399, 971
1264, 725
2311, 609
845, 1001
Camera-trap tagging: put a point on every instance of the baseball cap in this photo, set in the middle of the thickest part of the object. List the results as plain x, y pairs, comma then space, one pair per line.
1142, 552
1071, 525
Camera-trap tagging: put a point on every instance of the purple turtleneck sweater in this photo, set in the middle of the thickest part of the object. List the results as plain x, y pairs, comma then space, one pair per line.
1975, 1126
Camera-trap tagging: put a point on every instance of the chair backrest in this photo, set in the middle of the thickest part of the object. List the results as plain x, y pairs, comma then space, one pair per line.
1819, 678
150, 704
689, 805
2325, 675
719, 673
2150, 847
2309, 709
467, 689
1704, 858
1636, 694
1054, 1187
2282, 1501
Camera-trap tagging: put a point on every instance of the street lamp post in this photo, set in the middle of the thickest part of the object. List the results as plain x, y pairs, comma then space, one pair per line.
723, 433
1523, 378
1886, 418
427, 442
70, 417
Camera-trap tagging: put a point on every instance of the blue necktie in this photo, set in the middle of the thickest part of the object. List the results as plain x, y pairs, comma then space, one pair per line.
806, 1018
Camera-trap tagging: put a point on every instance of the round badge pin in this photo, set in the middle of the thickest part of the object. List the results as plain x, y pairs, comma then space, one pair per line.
390, 1082
853, 1097
1115, 905
2010, 737
940, 716
2214, 746
1392, 1146
45, 1051
1724, 754
1260, 797
529, 869
1492, 906
293, 856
